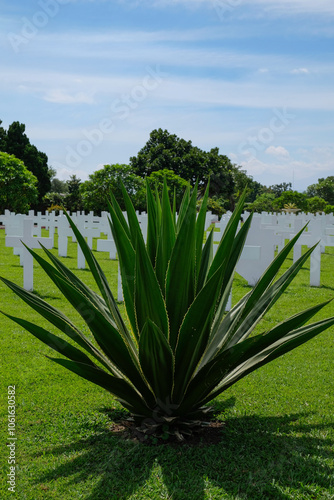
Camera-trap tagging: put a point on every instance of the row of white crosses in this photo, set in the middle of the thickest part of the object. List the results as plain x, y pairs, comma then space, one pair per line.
24, 230
267, 232
28, 239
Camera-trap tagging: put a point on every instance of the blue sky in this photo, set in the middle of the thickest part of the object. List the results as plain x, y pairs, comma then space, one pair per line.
92, 78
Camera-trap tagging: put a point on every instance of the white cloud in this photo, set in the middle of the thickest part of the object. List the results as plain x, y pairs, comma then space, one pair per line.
62, 97
255, 167
84, 87
302, 168
140, 47
300, 71
246, 94
137, 48
278, 151
137, 36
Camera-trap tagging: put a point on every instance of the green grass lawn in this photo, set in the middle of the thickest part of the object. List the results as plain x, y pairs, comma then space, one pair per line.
278, 441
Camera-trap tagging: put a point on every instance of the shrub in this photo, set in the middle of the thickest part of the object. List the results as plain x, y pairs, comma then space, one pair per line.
181, 349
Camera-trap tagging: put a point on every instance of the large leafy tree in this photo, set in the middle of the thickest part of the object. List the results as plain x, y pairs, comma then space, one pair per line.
324, 189
14, 141
316, 204
18, 186
96, 190
291, 197
167, 151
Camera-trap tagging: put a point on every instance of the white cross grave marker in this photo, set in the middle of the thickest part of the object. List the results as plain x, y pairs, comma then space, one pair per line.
108, 245
64, 232
31, 242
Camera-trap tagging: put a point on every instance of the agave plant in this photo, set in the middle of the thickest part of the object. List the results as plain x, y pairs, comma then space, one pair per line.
178, 348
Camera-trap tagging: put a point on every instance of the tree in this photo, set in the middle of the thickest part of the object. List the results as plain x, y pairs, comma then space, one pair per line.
52, 173
53, 201
324, 189
217, 206
2, 138
311, 190
241, 180
316, 204
279, 189
263, 203
96, 191
58, 186
18, 186
329, 209
222, 186
289, 197
167, 151
16, 142
73, 201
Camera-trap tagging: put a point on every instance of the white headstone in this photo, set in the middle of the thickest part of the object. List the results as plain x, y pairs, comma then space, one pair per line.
31, 242
108, 245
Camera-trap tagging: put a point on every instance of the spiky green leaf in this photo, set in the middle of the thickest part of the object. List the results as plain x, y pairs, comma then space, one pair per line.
180, 281
156, 359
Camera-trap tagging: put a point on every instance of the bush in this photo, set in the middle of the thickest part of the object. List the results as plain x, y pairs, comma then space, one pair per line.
178, 349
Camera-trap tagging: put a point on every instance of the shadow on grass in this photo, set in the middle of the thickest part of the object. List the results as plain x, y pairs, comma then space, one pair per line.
257, 457
326, 287
51, 295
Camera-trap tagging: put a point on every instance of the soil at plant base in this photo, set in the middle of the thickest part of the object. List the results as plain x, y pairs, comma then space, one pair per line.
209, 434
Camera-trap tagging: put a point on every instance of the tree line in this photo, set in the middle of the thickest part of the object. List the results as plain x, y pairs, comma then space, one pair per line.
24, 169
